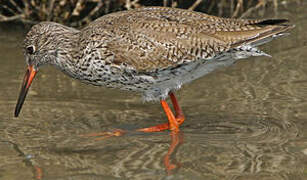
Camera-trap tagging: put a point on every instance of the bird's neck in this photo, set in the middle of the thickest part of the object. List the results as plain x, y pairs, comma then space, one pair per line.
67, 52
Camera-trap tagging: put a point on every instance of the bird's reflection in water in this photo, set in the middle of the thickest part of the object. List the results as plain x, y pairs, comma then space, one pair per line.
171, 165
170, 162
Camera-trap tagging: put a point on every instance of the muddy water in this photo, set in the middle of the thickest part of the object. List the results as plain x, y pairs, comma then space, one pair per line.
247, 121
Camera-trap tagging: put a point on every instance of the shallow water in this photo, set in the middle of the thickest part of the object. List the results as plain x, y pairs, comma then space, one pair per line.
247, 121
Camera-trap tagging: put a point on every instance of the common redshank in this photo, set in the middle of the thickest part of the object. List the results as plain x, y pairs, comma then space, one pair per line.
150, 50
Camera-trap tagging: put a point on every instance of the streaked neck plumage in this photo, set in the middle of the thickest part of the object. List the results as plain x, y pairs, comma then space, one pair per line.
67, 51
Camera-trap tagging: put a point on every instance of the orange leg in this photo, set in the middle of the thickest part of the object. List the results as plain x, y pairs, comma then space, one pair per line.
179, 114
173, 121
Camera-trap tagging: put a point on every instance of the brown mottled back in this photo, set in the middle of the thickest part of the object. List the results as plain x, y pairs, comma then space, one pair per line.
158, 37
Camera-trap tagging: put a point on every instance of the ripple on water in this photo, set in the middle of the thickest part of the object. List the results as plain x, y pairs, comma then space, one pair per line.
241, 146
243, 129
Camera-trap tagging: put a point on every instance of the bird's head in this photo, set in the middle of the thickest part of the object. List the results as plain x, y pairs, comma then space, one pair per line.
41, 46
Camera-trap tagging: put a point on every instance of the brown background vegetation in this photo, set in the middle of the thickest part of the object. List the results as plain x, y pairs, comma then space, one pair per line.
80, 12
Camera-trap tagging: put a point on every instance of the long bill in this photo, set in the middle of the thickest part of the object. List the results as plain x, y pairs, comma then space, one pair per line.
27, 80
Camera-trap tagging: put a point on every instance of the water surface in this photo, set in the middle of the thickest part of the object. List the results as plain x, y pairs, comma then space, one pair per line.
247, 121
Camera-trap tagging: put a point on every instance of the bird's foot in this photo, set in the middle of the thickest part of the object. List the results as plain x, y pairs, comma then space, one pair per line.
173, 126
104, 135
157, 128
174, 120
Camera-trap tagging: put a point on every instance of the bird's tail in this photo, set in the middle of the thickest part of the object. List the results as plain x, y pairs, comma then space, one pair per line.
274, 28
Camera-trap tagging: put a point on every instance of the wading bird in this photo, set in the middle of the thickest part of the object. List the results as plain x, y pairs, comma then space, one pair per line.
150, 50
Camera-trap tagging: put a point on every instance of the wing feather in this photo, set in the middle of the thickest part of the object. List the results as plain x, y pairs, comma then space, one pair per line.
158, 37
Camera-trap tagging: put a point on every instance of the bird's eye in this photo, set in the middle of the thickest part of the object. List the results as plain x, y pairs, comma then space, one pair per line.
30, 49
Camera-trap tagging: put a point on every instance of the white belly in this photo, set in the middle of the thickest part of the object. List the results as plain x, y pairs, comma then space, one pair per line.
170, 80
